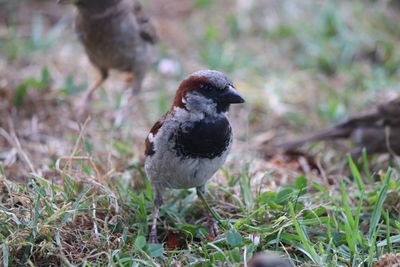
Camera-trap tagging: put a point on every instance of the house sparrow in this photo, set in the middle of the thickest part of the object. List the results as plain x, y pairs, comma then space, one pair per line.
192, 140
376, 130
116, 35
264, 259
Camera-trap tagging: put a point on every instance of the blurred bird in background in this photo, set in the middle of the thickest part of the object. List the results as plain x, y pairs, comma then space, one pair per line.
376, 130
118, 35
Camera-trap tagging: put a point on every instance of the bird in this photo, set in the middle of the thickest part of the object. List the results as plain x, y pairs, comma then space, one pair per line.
267, 259
192, 140
375, 130
116, 34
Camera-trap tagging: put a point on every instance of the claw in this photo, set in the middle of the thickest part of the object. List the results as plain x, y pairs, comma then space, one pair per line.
153, 238
213, 225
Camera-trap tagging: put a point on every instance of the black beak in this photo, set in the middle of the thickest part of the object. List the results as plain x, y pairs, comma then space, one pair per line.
232, 96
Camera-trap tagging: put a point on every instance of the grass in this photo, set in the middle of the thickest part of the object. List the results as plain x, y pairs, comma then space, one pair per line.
76, 194
95, 222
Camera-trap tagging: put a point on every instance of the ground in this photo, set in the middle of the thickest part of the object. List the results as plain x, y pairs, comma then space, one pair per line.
76, 194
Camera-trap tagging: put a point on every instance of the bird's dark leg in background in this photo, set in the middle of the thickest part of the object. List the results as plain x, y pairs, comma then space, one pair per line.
137, 80
89, 93
158, 200
210, 213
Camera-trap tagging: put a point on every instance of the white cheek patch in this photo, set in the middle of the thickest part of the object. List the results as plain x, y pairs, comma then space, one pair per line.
151, 137
183, 100
198, 104
180, 114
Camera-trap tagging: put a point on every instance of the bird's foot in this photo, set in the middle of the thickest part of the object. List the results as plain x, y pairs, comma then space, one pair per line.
119, 115
129, 78
83, 109
153, 238
212, 223
135, 91
82, 112
213, 226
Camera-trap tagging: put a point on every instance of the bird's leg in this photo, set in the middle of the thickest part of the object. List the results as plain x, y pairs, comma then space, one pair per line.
210, 213
129, 78
97, 84
120, 114
138, 81
129, 99
153, 238
90, 91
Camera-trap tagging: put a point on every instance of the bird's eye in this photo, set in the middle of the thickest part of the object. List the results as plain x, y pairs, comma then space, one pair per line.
205, 87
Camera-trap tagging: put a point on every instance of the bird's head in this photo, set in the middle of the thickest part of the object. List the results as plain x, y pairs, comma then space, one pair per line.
207, 91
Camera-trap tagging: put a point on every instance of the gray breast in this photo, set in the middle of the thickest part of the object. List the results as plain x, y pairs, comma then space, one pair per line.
189, 154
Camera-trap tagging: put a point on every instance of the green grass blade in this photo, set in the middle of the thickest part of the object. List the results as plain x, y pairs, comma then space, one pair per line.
356, 230
245, 187
349, 237
346, 205
372, 248
356, 173
5, 254
392, 239
304, 240
376, 214
389, 244
365, 165
75, 205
